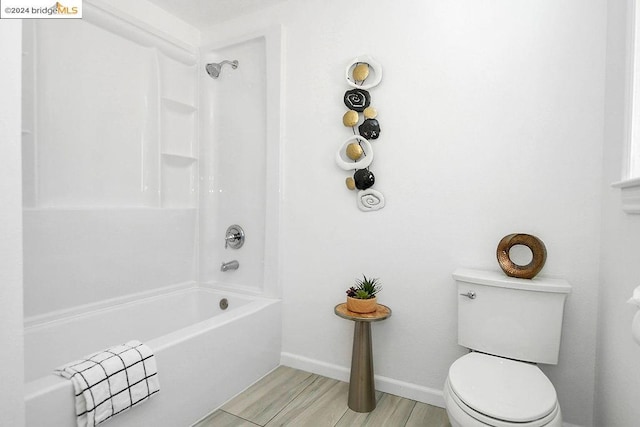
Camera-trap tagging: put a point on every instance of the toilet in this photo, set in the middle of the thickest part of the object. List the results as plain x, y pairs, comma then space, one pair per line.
509, 325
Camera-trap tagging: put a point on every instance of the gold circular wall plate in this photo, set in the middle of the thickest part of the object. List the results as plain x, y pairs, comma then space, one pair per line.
354, 151
350, 118
350, 183
370, 112
361, 72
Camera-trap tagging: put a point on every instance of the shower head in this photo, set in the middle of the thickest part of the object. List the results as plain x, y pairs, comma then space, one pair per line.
213, 69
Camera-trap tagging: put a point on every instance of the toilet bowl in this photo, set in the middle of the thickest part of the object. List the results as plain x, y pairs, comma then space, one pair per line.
483, 390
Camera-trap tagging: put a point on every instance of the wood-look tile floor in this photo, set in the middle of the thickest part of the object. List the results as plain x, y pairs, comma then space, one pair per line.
290, 397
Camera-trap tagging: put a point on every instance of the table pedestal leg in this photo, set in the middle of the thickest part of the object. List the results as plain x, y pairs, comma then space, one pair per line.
362, 393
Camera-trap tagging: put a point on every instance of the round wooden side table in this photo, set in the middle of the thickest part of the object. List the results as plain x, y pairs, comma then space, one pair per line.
362, 392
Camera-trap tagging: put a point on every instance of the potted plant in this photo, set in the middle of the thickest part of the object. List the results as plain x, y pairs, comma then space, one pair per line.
361, 298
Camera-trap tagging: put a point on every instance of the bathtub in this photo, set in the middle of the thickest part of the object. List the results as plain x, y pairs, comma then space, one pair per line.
205, 355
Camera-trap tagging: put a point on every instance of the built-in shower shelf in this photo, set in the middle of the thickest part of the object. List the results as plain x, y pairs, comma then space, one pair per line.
26, 132
178, 128
178, 106
178, 134
179, 158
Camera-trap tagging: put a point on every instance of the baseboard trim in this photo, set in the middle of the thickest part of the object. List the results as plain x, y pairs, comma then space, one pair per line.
385, 384
388, 385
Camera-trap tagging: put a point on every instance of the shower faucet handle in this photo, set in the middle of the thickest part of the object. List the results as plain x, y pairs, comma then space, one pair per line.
231, 238
234, 237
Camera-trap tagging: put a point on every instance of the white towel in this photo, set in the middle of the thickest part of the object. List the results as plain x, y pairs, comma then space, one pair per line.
111, 381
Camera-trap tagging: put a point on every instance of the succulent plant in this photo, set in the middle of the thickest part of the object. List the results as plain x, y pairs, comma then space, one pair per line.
364, 288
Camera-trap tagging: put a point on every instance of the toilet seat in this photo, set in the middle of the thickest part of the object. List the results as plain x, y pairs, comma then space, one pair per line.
502, 392
461, 415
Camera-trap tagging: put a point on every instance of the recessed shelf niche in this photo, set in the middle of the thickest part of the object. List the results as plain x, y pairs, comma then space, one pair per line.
178, 137
177, 124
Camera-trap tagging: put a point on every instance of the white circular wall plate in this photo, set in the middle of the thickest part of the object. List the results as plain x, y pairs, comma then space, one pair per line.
370, 200
377, 71
346, 163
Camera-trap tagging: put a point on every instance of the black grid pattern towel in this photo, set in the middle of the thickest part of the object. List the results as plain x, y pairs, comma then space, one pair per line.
111, 381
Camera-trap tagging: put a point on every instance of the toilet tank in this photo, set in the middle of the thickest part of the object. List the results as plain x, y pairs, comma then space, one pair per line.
515, 318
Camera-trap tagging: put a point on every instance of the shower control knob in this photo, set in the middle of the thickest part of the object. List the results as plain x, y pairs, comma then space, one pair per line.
234, 237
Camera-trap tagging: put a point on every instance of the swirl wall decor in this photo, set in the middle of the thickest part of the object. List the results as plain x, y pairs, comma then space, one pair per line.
356, 153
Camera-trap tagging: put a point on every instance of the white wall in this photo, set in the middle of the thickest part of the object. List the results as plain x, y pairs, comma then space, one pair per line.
618, 376
11, 342
492, 123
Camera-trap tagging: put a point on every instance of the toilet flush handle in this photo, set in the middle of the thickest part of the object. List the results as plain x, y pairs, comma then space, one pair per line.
470, 295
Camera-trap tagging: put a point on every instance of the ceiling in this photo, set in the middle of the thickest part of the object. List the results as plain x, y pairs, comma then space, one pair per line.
203, 13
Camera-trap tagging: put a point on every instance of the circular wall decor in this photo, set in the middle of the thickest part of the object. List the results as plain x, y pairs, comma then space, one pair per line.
357, 100
347, 163
350, 118
356, 73
356, 153
512, 269
364, 179
370, 200
370, 129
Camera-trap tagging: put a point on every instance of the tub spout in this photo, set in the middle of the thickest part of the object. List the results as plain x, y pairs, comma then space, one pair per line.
231, 265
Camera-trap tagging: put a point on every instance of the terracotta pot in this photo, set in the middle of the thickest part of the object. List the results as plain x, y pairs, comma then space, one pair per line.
362, 305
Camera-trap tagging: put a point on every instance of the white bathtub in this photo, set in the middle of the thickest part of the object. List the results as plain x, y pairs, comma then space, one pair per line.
205, 355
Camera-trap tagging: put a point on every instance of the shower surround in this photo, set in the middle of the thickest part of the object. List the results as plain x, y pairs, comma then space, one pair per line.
131, 174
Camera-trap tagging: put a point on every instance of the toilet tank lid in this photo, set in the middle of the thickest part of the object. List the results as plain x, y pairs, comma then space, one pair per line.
499, 279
